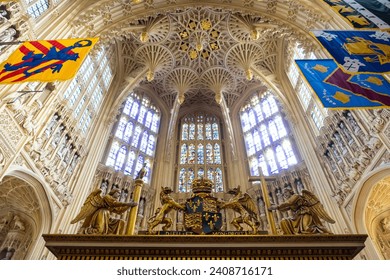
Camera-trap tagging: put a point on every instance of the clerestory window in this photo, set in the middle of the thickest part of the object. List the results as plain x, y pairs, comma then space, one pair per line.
268, 142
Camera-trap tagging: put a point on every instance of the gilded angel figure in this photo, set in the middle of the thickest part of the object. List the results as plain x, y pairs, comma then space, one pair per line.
307, 213
96, 213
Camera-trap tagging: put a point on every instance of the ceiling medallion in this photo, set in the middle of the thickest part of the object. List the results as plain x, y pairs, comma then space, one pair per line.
199, 39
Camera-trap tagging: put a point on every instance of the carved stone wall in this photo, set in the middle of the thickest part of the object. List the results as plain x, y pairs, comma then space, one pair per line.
377, 216
348, 145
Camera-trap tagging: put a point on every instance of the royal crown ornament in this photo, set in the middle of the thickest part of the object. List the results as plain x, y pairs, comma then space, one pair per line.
202, 185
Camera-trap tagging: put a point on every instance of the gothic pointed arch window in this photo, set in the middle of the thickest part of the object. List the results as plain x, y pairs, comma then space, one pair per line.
134, 137
85, 93
268, 141
200, 151
311, 106
35, 8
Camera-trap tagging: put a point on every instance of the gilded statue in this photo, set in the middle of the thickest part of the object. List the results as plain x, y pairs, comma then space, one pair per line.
245, 207
96, 213
307, 213
160, 215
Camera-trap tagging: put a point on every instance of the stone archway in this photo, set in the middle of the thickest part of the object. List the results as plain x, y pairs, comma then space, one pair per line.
372, 211
24, 216
377, 217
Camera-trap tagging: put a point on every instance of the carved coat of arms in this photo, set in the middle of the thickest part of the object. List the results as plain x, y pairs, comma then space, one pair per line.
202, 213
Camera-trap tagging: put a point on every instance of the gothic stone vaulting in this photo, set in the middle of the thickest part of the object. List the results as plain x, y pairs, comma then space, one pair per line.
189, 89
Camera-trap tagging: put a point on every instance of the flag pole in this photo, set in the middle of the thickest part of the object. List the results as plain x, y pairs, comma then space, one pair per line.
270, 217
24, 92
11, 43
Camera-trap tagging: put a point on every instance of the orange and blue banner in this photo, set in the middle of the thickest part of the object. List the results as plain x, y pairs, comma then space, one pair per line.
339, 90
363, 13
357, 51
45, 60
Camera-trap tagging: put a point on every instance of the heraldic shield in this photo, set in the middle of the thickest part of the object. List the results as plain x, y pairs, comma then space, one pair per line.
202, 214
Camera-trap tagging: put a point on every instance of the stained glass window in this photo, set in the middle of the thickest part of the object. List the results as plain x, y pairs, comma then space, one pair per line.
151, 145
85, 92
182, 178
37, 8
200, 154
191, 154
200, 173
144, 141
137, 139
184, 132
217, 154
268, 143
121, 127
128, 132
305, 95
183, 154
120, 158
200, 151
113, 153
192, 132
130, 163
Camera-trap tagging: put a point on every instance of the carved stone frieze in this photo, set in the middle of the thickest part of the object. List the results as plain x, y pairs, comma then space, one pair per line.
14, 134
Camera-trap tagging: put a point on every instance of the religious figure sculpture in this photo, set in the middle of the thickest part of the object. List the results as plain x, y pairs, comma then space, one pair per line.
142, 173
160, 215
7, 254
96, 212
307, 213
245, 207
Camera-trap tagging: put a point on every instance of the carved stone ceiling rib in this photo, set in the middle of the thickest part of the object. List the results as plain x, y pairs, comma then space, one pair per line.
201, 53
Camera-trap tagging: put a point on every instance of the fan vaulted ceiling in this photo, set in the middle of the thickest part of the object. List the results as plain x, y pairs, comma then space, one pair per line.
193, 53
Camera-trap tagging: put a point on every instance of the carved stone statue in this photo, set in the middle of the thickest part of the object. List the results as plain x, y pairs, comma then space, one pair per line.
96, 213
7, 254
160, 215
18, 224
142, 173
307, 212
385, 223
8, 35
245, 207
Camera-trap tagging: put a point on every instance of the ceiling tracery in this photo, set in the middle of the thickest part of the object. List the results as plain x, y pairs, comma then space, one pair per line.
216, 48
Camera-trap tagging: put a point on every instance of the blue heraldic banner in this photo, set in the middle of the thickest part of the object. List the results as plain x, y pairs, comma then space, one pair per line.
363, 13
339, 90
365, 51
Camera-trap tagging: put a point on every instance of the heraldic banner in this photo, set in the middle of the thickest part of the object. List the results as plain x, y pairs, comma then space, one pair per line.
45, 60
339, 90
365, 51
363, 13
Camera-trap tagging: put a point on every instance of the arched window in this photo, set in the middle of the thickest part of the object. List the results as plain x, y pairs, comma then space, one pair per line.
35, 8
85, 92
134, 140
267, 141
200, 152
309, 103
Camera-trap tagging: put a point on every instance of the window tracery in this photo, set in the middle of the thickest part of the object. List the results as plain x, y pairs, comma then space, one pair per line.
200, 151
85, 92
35, 8
305, 95
134, 138
266, 137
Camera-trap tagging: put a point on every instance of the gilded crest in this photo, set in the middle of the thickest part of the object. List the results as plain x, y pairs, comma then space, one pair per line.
202, 209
